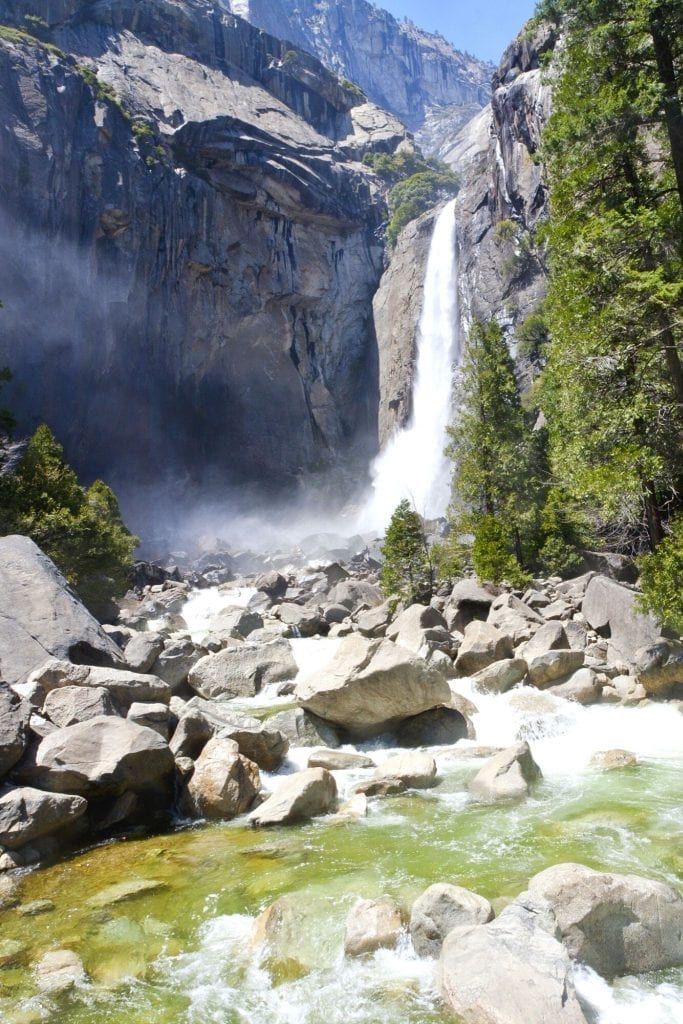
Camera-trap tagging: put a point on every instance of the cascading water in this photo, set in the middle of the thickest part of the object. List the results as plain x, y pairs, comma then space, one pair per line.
413, 464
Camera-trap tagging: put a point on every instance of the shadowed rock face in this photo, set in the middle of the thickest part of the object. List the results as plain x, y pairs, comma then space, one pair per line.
210, 278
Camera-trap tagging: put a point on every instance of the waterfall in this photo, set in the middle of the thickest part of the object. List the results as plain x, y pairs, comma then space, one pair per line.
412, 464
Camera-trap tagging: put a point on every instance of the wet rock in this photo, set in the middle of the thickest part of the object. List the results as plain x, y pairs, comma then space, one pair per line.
41, 617
381, 787
10, 892
123, 687
201, 720
506, 776
123, 892
609, 759
14, 722
35, 908
441, 908
372, 925
512, 971
142, 650
370, 685
106, 755
546, 668
304, 795
11, 951
282, 935
617, 924
610, 608
627, 689
27, 814
339, 760
335, 613
59, 971
242, 671
69, 705
482, 645
500, 676
272, 584
436, 727
659, 667
415, 770
584, 687
224, 783
151, 716
304, 729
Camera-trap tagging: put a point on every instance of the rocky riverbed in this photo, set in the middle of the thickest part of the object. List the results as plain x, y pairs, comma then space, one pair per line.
333, 788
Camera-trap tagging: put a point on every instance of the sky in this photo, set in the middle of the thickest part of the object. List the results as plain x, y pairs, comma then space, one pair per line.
483, 27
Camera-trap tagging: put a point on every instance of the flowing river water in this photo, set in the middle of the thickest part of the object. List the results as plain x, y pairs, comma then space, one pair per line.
180, 951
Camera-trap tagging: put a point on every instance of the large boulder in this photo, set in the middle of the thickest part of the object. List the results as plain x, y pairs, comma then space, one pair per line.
354, 593
584, 687
304, 729
659, 667
500, 676
415, 769
482, 645
41, 617
551, 666
201, 720
514, 617
243, 670
233, 620
302, 620
441, 726
125, 688
371, 685
512, 971
69, 705
14, 719
298, 797
505, 776
104, 756
372, 925
440, 909
223, 784
27, 814
373, 622
617, 924
408, 628
468, 601
610, 609
550, 637
142, 650
179, 656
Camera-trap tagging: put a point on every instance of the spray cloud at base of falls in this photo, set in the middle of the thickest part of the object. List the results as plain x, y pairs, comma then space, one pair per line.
413, 464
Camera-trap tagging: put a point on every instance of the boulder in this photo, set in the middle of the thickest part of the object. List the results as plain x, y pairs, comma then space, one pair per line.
557, 610
304, 795
505, 776
415, 770
41, 617
408, 628
371, 685
610, 609
584, 687
468, 601
512, 971
123, 687
440, 726
659, 667
336, 613
576, 632
151, 716
373, 623
285, 943
243, 670
304, 729
224, 784
28, 814
354, 593
339, 760
513, 616
618, 567
575, 589
142, 650
551, 636
59, 971
233, 620
201, 720
103, 756
272, 584
481, 646
389, 786
441, 908
500, 676
302, 620
372, 925
546, 668
14, 719
610, 759
617, 924
176, 660
69, 705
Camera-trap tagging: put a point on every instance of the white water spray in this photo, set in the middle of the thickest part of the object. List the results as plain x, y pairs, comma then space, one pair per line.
413, 464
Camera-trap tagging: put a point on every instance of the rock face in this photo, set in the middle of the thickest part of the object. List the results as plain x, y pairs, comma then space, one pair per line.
512, 971
371, 685
238, 230
617, 924
40, 616
300, 796
14, 716
440, 909
399, 66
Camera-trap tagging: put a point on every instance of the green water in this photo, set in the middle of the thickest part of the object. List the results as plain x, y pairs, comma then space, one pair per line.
180, 953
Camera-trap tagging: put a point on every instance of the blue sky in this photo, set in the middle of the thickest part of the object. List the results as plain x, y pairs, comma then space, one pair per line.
484, 27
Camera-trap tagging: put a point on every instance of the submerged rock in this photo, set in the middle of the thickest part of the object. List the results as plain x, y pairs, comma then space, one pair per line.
59, 971
372, 925
609, 759
304, 729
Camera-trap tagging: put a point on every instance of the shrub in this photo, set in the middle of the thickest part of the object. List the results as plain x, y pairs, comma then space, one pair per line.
531, 335
662, 579
417, 194
492, 558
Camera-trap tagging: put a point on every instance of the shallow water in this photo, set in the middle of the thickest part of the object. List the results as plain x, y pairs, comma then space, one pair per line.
180, 954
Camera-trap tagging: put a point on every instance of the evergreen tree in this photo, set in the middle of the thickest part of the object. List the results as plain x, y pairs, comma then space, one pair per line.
406, 569
662, 579
81, 530
612, 389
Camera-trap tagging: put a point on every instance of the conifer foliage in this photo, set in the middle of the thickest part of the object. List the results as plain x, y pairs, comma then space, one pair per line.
406, 569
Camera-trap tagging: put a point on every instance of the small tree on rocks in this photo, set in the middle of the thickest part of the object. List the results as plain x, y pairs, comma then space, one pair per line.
406, 567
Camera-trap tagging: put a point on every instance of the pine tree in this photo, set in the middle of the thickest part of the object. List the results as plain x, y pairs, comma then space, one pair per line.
406, 569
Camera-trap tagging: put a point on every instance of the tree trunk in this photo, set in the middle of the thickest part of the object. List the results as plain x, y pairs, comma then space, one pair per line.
673, 113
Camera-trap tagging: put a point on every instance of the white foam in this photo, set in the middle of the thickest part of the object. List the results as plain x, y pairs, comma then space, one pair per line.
631, 1000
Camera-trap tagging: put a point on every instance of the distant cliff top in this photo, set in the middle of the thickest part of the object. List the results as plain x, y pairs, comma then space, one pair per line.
400, 67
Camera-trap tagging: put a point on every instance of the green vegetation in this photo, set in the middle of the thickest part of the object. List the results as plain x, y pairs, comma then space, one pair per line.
79, 528
415, 185
353, 88
17, 35
35, 22
142, 131
531, 337
406, 569
661, 579
289, 58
